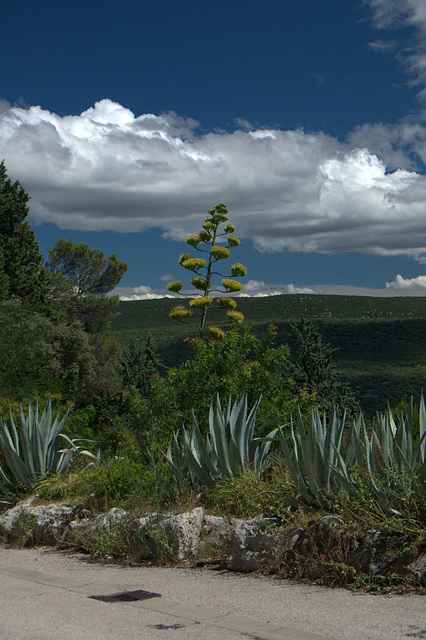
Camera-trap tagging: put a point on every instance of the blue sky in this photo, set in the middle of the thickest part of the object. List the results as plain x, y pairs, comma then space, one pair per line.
127, 122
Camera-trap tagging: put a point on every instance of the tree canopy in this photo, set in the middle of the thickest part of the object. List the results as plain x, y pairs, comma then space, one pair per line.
21, 263
314, 370
79, 278
86, 270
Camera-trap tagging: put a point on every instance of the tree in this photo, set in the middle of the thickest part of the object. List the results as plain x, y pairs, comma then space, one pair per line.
210, 242
239, 363
140, 366
22, 269
86, 270
40, 355
79, 278
314, 371
4, 279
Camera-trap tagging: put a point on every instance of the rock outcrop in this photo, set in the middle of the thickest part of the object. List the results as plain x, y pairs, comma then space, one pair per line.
248, 544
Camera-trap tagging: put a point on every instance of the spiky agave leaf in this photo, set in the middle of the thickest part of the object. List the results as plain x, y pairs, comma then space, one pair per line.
228, 449
33, 451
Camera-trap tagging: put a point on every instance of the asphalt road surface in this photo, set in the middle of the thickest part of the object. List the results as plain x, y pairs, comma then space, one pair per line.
46, 595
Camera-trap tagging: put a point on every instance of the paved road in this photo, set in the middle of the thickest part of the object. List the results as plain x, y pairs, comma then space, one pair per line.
45, 595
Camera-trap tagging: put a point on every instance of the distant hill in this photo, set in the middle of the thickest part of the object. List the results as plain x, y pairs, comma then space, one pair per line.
381, 342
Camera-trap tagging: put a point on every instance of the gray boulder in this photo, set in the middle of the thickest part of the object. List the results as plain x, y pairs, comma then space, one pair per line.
183, 532
365, 555
216, 530
253, 542
89, 524
418, 569
45, 524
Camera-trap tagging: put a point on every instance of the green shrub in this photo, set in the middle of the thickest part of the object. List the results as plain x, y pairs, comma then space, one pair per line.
117, 482
239, 363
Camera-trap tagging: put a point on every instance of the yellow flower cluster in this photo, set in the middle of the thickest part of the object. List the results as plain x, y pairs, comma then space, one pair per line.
193, 264
200, 303
232, 285
238, 269
217, 333
234, 241
175, 286
236, 316
227, 303
193, 240
220, 253
199, 283
179, 312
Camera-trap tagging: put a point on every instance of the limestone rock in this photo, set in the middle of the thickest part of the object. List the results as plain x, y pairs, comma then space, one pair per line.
253, 542
46, 524
184, 532
418, 569
102, 521
216, 530
362, 558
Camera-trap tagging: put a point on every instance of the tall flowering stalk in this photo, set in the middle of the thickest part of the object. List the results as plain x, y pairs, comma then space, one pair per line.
215, 242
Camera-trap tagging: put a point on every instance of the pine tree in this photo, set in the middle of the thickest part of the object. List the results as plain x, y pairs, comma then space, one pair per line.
79, 279
315, 372
22, 264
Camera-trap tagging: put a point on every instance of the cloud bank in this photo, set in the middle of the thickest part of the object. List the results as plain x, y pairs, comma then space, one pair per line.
405, 284
107, 169
252, 289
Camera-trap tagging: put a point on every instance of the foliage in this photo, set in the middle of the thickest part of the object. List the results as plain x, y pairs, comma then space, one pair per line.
313, 453
139, 367
381, 342
39, 355
209, 242
121, 482
4, 279
315, 371
388, 458
94, 312
107, 374
79, 278
240, 363
21, 264
248, 494
325, 459
87, 271
230, 448
34, 450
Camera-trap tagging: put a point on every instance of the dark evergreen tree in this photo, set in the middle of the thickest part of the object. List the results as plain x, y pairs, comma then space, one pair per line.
22, 268
79, 279
4, 280
314, 371
139, 367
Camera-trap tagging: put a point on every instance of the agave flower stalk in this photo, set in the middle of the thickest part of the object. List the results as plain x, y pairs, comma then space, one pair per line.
210, 242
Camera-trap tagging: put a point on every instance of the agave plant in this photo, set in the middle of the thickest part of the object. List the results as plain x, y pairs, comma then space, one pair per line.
229, 448
388, 455
34, 450
322, 458
313, 454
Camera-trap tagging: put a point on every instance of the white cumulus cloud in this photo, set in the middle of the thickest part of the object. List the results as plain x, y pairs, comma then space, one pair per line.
259, 289
142, 292
407, 283
107, 169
